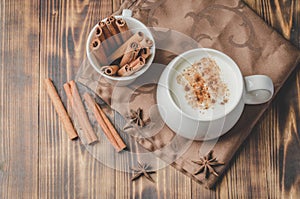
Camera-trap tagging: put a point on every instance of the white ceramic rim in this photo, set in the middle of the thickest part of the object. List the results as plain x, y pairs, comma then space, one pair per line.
240, 88
141, 27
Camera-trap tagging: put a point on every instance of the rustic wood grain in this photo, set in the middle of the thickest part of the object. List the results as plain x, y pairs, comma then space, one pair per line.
67, 170
288, 114
276, 138
42, 39
281, 15
116, 4
19, 89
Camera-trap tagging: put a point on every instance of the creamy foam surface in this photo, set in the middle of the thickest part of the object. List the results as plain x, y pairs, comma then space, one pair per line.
204, 109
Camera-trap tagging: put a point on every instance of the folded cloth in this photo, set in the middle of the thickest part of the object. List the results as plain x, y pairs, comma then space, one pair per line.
226, 25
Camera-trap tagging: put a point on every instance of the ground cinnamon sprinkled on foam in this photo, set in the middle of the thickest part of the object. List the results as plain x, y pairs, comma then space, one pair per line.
203, 85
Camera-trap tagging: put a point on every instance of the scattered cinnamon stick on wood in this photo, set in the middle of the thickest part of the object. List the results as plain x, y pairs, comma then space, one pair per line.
77, 106
60, 109
105, 124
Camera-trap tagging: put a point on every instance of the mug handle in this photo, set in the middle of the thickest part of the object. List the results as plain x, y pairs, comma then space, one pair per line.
258, 89
127, 13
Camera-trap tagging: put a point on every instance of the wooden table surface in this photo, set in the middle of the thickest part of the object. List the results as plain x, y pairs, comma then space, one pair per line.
42, 39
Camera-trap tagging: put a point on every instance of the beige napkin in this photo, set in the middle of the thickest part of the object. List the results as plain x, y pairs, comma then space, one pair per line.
229, 26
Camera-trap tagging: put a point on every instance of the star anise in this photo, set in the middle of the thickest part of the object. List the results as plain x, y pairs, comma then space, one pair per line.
142, 170
207, 164
135, 117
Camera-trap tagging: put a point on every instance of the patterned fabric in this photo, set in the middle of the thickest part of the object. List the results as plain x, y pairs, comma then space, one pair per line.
226, 25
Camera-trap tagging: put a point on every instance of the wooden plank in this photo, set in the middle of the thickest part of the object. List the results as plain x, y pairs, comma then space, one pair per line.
265, 166
19, 88
199, 191
116, 4
67, 170
177, 185
288, 106
254, 172
282, 15
169, 182
125, 188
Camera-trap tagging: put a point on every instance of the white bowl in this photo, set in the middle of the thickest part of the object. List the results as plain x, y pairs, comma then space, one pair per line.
192, 124
134, 26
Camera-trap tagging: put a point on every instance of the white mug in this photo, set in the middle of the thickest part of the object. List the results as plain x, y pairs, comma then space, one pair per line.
255, 89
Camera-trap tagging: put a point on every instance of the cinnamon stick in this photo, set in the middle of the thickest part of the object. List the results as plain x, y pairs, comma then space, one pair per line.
98, 51
146, 42
60, 109
137, 64
123, 29
125, 71
132, 67
110, 70
105, 124
77, 106
111, 43
130, 53
112, 20
137, 37
100, 35
145, 52
111, 25
106, 32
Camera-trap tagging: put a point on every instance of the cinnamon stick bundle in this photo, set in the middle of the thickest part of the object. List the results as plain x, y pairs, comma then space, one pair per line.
60, 109
78, 108
132, 52
107, 127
